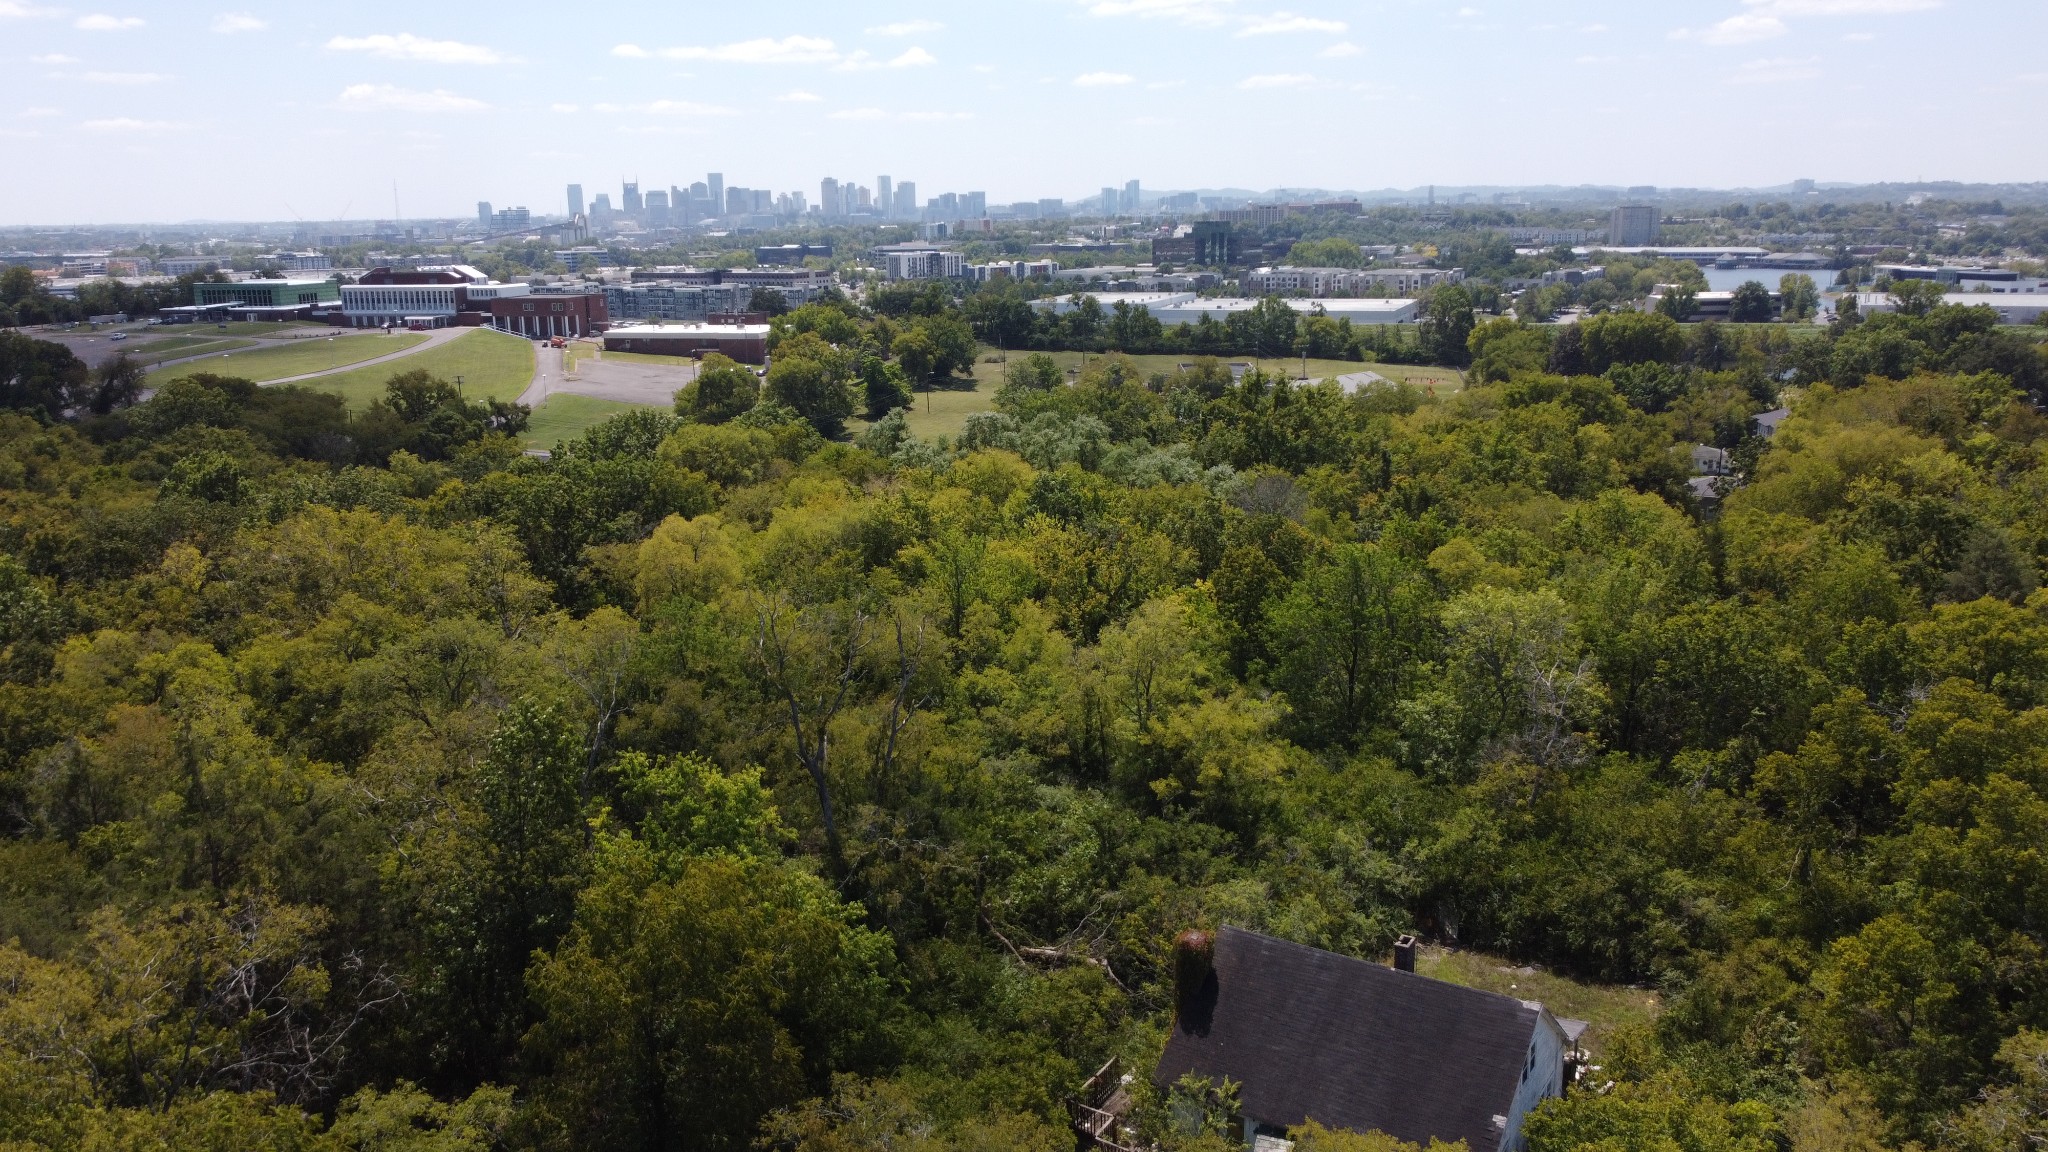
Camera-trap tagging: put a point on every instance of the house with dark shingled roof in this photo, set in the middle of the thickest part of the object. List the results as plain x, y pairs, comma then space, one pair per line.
1312, 1035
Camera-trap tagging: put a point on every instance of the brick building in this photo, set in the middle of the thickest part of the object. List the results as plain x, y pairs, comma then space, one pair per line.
540, 314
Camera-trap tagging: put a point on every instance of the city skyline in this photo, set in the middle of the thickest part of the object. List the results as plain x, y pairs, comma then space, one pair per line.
392, 111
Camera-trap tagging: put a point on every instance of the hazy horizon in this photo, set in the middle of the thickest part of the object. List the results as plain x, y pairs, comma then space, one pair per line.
124, 114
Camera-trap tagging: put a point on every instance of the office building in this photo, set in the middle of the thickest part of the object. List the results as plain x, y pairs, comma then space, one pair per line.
1110, 199
268, 294
1131, 199
829, 200
422, 298
1202, 242
1051, 209
2011, 307
791, 254
656, 208
483, 213
1632, 225
973, 205
575, 199
885, 196
601, 209
629, 199
188, 265
512, 219
906, 200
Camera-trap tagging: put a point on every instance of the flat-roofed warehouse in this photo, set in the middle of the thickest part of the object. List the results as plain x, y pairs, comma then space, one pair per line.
746, 343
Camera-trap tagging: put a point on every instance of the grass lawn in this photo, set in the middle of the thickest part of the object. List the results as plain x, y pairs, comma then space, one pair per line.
1605, 1006
565, 416
276, 361
492, 365
155, 352
990, 376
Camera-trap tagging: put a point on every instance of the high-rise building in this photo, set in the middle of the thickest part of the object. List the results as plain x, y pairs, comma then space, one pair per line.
944, 206
885, 196
973, 205
714, 191
1109, 201
575, 199
601, 208
1130, 198
829, 202
483, 213
906, 200
1632, 226
738, 201
1052, 207
629, 199
657, 209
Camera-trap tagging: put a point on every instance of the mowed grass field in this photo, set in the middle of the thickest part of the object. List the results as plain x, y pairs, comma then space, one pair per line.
493, 366
944, 411
564, 416
277, 361
155, 352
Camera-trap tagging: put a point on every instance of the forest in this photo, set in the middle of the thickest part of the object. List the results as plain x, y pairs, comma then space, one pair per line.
722, 780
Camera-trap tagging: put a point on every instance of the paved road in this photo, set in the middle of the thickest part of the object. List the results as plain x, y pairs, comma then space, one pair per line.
631, 383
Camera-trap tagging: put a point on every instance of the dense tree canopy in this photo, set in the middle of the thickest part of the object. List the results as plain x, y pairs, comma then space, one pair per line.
369, 784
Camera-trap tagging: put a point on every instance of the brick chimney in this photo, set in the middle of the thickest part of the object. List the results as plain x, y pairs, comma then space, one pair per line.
1404, 954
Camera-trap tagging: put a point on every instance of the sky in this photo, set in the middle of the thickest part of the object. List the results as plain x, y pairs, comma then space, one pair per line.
126, 111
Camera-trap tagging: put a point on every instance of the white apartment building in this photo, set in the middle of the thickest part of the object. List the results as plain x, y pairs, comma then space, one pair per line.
925, 264
1347, 281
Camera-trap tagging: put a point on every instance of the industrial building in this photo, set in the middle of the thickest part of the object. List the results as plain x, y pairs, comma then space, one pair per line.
2012, 307
746, 343
1347, 281
1172, 309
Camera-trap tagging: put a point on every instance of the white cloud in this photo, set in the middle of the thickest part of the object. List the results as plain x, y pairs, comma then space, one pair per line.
1776, 70
53, 59
1102, 79
914, 58
788, 50
229, 23
1277, 80
380, 97
563, 108
126, 124
1282, 22
1741, 28
16, 10
1339, 50
1467, 13
799, 96
630, 51
1200, 12
684, 108
859, 114
1841, 7
100, 22
129, 78
406, 46
906, 28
